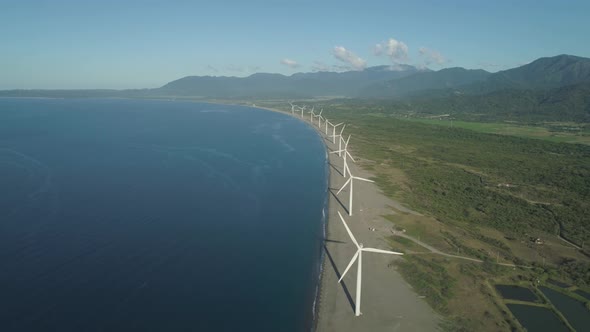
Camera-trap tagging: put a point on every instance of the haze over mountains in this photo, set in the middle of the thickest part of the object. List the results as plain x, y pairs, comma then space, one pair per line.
557, 87
299, 85
389, 81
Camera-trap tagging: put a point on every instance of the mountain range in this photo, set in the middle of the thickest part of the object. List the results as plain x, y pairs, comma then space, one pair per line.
300, 85
388, 81
557, 87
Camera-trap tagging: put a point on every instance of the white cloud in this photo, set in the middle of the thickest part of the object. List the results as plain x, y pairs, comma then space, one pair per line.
289, 63
396, 50
352, 60
432, 56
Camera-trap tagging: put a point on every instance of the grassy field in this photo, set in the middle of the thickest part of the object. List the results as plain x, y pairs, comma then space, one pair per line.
519, 186
551, 131
486, 191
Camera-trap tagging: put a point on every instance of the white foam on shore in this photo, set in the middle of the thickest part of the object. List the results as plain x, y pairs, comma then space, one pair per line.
323, 221
324, 228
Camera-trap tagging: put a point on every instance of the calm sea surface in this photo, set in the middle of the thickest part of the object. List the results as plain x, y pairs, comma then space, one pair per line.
121, 215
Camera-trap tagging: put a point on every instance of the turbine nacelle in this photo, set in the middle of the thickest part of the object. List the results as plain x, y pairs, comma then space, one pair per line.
339, 135
320, 117
351, 182
302, 109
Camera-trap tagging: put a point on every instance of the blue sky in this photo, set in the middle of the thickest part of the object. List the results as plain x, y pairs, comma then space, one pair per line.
144, 44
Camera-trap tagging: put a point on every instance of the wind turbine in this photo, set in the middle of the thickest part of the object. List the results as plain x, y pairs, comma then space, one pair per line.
339, 138
359, 267
302, 109
344, 154
311, 115
351, 181
292, 108
334, 132
320, 117
326, 122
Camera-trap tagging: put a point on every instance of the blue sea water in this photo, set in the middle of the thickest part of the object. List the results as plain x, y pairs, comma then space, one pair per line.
143, 215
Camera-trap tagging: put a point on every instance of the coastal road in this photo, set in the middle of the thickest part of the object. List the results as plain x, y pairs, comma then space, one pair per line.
433, 250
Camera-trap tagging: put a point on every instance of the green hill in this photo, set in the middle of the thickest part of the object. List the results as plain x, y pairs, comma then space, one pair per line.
300, 85
426, 81
543, 73
568, 103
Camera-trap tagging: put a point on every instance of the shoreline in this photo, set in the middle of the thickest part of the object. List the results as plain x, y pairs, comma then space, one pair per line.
316, 303
388, 301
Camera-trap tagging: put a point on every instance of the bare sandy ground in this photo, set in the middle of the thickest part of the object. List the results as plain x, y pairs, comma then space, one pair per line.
388, 302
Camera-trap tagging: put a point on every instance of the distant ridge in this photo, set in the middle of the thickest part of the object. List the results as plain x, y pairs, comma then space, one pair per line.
551, 88
432, 80
543, 73
398, 81
297, 85
566, 103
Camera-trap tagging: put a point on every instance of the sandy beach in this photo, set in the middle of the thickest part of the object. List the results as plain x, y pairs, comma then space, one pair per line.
388, 302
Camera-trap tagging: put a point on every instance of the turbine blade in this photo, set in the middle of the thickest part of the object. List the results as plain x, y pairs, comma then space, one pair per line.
381, 251
349, 265
348, 170
348, 230
345, 183
341, 130
336, 151
351, 158
345, 164
367, 180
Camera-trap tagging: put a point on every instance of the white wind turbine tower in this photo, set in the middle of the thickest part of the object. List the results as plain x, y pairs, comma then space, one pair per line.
292, 108
359, 255
326, 122
345, 153
351, 181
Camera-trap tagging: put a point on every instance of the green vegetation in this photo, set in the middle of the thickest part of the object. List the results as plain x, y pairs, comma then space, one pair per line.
484, 193
576, 272
513, 184
567, 132
568, 103
431, 280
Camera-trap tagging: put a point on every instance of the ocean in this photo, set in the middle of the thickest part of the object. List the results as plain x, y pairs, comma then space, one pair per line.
153, 215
